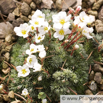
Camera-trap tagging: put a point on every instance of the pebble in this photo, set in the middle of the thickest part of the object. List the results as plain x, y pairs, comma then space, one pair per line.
98, 77
5, 97
93, 85
101, 84
46, 4
24, 18
8, 38
4, 65
37, 1
17, 22
11, 94
94, 13
7, 6
91, 76
27, 1
100, 16
11, 17
97, 5
99, 26
88, 92
25, 9
7, 56
33, 5
59, 4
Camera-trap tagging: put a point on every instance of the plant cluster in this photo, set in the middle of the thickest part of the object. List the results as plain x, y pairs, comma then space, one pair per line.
52, 57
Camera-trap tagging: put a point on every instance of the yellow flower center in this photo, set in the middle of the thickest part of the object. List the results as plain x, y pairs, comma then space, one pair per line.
36, 23
23, 71
32, 27
30, 60
62, 21
40, 16
82, 19
61, 32
23, 32
31, 50
84, 31
39, 38
45, 28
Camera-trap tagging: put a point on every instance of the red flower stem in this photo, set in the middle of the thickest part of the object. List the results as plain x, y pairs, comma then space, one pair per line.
37, 30
72, 40
49, 34
29, 98
4, 91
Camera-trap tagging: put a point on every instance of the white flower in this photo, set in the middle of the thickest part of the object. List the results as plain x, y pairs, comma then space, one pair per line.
25, 92
90, 19
40, 48
42, 54
38, 14
39, 38
23, 70
61, 33
31, 60
86, 32
44, 100
61, 20
40, 78
36, 22
37, 67
1, 86
32, 28
33, 49
23, 30
45, 28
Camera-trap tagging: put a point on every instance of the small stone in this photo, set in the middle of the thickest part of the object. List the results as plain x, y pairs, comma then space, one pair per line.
88, 92
25, 9
8, 48
59, 4
7, 6
8, 38
7, 56
33, 5
94, 13
101, 84
91, 76
68, 3
99, 26
29, 17
93, 85
97, 5
11, 94
46, 4
6, 71
17, 22
32, 12
91, 2
100, 16
24, 18
98, 77
37, 1
97, 68
5, 97
27, 1
16, 12
5, 29
11, 17
4, 65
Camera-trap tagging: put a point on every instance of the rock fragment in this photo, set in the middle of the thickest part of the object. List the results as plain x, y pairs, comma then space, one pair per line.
98, 77
94, 13
97, 5
33, 5
100, 16
99, 26
25, 9
88, 92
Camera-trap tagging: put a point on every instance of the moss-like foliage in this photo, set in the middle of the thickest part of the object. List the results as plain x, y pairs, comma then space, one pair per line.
57, 81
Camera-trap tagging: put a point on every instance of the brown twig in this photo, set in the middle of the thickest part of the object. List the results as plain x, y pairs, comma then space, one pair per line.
89, 69
20, 96
48, 98
7, 63
38, 87
13, 67
81, 55
98, 62
89, 55
72, 91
